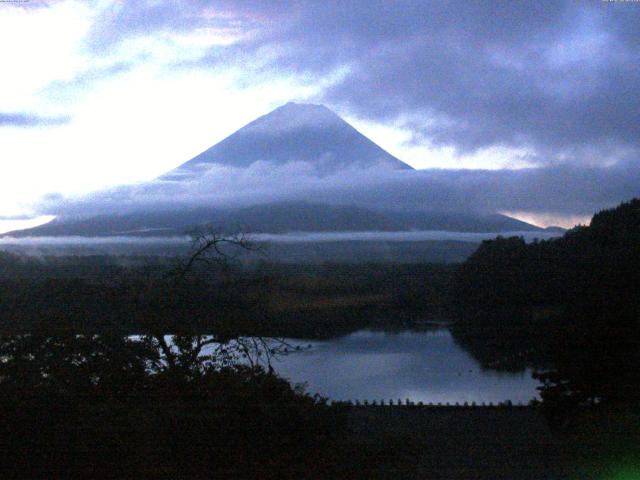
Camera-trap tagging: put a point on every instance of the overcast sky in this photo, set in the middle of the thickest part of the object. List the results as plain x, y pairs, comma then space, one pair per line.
105, 92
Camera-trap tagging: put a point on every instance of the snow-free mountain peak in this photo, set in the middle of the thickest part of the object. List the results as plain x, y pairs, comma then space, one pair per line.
299, 113
294, 132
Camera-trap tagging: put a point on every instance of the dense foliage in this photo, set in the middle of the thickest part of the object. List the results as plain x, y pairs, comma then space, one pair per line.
134, 368
82, 397
110, 407
571, 303
125, 294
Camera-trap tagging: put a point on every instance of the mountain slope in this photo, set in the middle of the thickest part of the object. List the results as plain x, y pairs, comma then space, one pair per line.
277, 218
293, 133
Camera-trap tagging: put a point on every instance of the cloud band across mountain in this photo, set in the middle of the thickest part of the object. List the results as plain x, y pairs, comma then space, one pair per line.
306, 153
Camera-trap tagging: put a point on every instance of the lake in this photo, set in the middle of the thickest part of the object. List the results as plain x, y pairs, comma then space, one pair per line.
421, 366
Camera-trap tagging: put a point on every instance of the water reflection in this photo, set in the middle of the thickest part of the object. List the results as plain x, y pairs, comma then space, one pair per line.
421, 366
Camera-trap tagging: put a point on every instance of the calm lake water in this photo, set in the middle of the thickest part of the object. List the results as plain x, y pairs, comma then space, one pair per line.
422, 366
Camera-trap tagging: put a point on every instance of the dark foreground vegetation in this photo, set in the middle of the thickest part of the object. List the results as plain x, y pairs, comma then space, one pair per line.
93, 386
570, 308
569, 304
106, 407
88, 408
102, 406
83, 398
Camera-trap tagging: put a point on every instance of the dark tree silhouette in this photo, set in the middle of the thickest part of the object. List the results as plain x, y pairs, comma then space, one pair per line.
172, 401
573, 299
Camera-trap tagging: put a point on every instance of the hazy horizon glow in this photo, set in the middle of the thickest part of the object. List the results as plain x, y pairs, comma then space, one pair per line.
549, 219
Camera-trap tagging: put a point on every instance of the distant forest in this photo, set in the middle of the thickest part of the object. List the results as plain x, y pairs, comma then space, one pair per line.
120, 294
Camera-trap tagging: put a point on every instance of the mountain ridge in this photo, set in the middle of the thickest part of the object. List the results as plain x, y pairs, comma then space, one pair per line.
279, 217
290, 133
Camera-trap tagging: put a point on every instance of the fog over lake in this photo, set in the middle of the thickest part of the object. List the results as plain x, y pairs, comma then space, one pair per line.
293, 237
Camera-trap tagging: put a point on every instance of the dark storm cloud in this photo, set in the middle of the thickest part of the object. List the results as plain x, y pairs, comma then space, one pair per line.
28, 120
558, 77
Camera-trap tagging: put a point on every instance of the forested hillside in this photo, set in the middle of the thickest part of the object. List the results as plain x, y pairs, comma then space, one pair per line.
570, 304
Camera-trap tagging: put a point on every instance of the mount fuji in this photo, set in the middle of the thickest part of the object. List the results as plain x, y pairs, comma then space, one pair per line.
293, 134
